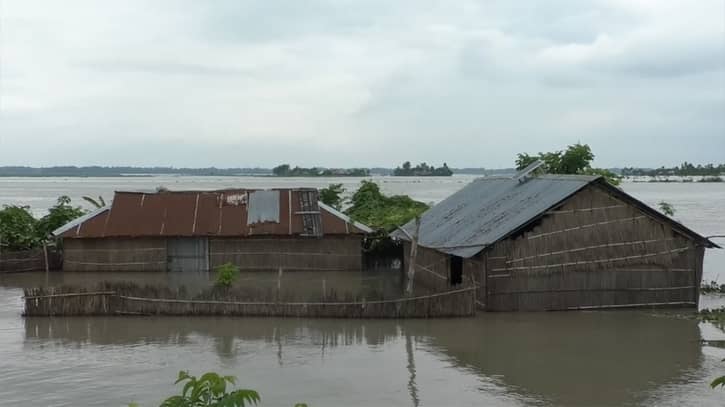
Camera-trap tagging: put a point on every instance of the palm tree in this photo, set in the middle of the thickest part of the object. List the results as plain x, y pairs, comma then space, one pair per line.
100, 203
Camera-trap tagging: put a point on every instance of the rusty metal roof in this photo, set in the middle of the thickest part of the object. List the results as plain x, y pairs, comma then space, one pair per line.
200, 213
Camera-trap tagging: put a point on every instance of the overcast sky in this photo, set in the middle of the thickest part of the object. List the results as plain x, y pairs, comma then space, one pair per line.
353, 83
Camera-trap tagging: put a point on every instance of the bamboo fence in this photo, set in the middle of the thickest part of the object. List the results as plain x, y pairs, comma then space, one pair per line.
131, 299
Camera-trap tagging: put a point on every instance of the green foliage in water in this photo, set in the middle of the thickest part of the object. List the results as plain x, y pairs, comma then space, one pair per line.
227, 274
712, 287
422, 170
371, 207
58, 215
332, 196
576, 159
210, 390
666, 208
17, 228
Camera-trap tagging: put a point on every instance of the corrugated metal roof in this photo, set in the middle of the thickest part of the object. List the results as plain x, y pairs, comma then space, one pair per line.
198, 213
488, 209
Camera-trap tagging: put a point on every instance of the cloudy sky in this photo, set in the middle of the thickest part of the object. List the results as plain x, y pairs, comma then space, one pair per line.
352, 83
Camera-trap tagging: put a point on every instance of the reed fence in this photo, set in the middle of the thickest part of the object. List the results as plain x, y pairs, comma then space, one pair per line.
131, 299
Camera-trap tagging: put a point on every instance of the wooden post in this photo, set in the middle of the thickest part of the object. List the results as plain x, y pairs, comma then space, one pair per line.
324, 289
279, 281
45, 256
412, 257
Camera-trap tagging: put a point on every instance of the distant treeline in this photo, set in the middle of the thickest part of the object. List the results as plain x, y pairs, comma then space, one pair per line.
98, 171
685, 169
285, 170
422, 170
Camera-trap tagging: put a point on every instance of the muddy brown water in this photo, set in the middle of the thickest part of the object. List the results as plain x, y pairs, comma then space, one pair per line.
602, 358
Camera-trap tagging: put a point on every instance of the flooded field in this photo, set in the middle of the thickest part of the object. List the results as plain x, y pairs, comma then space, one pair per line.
605, 358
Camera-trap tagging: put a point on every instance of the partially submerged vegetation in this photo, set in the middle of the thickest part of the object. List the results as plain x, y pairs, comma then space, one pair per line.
712, 287
422, 170
684, 169
210, 390
20, 230
285, 170
371, 207
576, 159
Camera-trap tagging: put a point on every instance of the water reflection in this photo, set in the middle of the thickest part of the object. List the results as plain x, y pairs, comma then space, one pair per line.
597, 358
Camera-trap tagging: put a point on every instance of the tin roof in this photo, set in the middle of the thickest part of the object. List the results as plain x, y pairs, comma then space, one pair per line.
490, 209
205, 213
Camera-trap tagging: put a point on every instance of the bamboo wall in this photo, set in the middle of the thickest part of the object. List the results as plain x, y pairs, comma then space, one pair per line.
115, 254
432, 272
28, 260
594, 251
329, 253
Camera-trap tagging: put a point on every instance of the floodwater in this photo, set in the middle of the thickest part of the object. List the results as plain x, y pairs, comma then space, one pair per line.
602, 358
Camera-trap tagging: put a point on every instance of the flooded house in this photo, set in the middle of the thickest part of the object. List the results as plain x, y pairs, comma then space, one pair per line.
256, 230
555, 242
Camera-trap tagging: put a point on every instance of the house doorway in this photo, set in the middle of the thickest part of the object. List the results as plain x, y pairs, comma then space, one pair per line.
187, 254
456, 270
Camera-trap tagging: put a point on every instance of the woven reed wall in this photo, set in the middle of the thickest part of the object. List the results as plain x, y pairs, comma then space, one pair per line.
432, 272
115, 254
128, 299
328, 253
593, 251
28, 260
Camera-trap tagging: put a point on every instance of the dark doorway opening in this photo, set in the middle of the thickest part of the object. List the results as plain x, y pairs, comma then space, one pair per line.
456, 271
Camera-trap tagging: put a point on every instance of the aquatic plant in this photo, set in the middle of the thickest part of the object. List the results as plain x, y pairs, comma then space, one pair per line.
210, 390
227, 273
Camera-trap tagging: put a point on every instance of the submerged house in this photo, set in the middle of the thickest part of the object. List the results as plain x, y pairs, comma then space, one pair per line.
199, 230
555, 242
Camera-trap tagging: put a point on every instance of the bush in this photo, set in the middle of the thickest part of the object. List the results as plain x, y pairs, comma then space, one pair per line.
227, 274
18, 228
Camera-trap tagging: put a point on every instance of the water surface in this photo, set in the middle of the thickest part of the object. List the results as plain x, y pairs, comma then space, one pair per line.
604, 358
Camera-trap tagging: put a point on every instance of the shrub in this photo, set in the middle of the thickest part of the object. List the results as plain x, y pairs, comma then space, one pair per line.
227, 273
210, 390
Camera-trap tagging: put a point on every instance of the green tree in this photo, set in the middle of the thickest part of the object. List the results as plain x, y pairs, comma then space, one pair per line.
281, 170
371, 207
332, 195
18, 228
58, 215
576, 159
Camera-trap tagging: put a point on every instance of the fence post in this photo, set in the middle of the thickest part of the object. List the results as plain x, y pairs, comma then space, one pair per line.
279, 281
45, 256
324, 289
413, 255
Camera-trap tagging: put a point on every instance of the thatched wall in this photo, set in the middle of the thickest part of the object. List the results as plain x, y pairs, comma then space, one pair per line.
114, 254
328, 253
432, 272
28, 260
593, 251
129, 299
